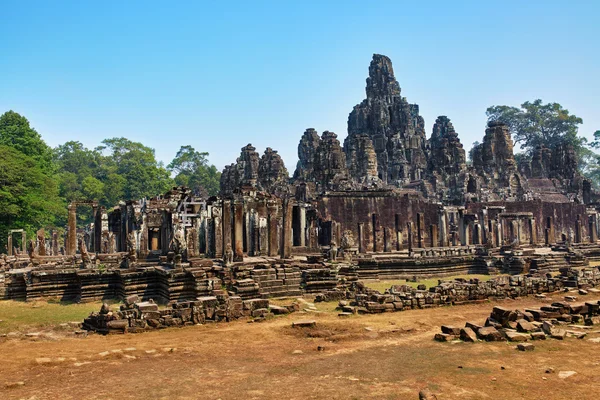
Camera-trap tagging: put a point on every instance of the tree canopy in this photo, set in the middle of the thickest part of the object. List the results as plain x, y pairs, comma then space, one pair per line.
37, 182
29, 197
537, 124
550, 125
15, 132
191, 169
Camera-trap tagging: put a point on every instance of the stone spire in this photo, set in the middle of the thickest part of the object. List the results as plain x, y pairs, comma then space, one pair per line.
361, 159
381, 83
394, 126
307, 150
447, 155
272, 175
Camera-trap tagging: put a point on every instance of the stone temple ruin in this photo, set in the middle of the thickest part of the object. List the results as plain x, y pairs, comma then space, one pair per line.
387, 203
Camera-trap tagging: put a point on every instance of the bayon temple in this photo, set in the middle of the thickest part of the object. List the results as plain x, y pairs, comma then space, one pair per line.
389, 202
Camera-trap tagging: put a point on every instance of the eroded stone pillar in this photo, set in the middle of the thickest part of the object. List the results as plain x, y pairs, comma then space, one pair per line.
9, 244
272, 222
361, 238
216, 235
286, 237
443, 228
409, 228
302, 216
375, 227
532, 234
593, 228
238, 232
24, 242
433, 236
420, 227
578, 229
41, 239
387, 239
72, 230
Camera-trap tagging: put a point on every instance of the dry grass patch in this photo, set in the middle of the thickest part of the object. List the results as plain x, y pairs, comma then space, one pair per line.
25, 316
382, 285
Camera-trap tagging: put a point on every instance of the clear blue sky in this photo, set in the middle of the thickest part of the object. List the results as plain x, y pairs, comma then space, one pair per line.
219, 75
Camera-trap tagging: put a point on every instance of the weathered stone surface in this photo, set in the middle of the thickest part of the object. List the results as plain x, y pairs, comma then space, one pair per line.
525, 347
361, 160
468, 335
272, 175
394, 126
489, 334
516, 336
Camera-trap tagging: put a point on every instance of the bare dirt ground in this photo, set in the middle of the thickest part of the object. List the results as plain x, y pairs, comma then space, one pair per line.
385, 356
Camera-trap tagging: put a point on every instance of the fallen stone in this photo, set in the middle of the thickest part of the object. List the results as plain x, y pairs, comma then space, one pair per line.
473, 326
309, 323
565, 374
489, 334
525, 326
525, 347
516, 337
558, 334
43, 360
538, 336
444, 337
426, 394
277, 310
468, 335
450, 330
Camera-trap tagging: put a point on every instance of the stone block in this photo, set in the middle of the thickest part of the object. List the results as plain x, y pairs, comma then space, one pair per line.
468, 335
525, 347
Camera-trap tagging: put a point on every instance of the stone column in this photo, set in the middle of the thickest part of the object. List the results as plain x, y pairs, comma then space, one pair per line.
420, 227
226, 224
484, 227
286, 237
593, 228
72, 230
387, 238
500, 237
578, 229
272, 222
532, 235
375, 223
9, 244
216, 236
476, 233
433, 236
238, 232
361, 238
409, 228
302, 216
24, 242
41, 239
462, 229
443, 228
398, 230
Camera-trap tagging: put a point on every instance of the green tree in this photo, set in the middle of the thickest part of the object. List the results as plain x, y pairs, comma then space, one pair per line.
78, 172
29, 197
537, 124
136, 164
191, 169
16, 132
